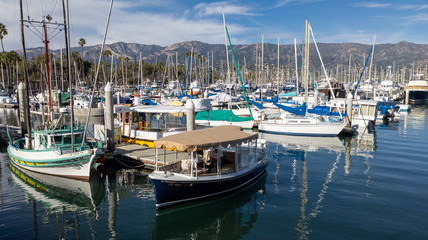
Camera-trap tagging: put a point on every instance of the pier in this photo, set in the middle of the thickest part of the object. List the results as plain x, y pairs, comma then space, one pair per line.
146, 155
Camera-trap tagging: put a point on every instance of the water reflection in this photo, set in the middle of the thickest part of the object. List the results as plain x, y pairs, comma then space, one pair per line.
230, 217
56, 194
122, 184
61, 199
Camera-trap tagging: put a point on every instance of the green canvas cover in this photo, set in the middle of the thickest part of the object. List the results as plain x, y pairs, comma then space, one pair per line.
221, 115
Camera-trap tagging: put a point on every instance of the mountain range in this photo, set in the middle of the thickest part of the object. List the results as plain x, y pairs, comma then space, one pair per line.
402, 54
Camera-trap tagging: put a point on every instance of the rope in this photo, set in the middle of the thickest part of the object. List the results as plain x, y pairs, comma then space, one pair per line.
138, 166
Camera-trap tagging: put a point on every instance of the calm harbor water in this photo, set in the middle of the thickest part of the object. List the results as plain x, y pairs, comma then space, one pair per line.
371, 186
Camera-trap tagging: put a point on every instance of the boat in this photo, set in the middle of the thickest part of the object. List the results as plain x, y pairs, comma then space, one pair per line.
54, 153
223, 117
303, 125
417, 91
146, 123
300, 122
222, 159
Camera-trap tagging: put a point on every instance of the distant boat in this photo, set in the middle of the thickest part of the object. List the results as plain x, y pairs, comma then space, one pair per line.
222, 159
418, 91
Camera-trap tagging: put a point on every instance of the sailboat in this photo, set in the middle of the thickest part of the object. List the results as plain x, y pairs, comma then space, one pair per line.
55, 148
305, 125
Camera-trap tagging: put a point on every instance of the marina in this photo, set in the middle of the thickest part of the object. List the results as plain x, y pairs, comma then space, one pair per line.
367, 186
195, 140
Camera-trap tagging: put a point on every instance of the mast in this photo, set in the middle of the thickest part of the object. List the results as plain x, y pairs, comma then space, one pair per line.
48, 69
306, 71
26, 116
227, 61
66, 14
297, 68
277, 72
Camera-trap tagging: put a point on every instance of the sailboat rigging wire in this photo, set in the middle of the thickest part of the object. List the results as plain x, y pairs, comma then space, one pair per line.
87, 5
237, 70
325, 72
96, 75
309, 72
362, 72
53, 8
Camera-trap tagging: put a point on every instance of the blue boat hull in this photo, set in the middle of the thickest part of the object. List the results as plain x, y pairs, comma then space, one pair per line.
418, 96
169, 193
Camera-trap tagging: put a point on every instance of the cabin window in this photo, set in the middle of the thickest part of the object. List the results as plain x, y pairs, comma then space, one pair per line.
135, 117
126, 117
78, 138
43, 140
57, 139
67, 139
235, 107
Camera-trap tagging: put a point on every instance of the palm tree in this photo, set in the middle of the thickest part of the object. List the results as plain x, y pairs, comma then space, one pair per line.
3, 32
82, 43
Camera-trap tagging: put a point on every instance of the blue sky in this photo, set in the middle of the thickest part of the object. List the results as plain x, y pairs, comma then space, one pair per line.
167, 22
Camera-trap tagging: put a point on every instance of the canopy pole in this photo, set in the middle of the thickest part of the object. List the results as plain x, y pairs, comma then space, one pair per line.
156, 159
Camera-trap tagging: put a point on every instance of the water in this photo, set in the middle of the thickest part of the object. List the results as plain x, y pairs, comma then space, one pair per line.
373, 186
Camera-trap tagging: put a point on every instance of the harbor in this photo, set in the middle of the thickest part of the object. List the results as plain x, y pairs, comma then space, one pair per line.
371, 184
299, 136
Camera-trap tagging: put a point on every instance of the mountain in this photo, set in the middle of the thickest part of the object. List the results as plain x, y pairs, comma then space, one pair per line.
333, 54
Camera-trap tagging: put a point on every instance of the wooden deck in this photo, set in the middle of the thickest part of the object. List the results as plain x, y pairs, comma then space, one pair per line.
147, 155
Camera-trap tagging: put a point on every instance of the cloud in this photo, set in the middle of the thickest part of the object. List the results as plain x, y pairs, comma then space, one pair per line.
282, 3
373, 5
414, 19
216, 8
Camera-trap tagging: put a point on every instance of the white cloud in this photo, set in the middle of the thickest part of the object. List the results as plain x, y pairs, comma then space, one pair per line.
372, 5
216, 8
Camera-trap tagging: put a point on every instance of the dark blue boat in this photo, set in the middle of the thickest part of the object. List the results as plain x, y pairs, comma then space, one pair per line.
222, 159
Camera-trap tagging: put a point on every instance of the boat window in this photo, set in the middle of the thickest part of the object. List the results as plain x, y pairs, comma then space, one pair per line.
58, 139
43, 140
141, 117
67, 139
235, 107
126, 117
78, 138
135, 117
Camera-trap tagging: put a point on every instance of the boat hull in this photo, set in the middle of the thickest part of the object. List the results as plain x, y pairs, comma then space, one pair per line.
173, 192
420, 96
244, 124
75, 165
322, 130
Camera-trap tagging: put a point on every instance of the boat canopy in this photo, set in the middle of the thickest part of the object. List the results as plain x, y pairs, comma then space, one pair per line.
205, 138
221, 115
301, 110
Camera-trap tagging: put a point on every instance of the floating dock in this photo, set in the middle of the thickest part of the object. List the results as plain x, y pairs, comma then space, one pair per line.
146, 155
9, 105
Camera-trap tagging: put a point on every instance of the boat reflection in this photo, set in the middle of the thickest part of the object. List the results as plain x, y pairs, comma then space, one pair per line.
229, 217
310, 144
57, 194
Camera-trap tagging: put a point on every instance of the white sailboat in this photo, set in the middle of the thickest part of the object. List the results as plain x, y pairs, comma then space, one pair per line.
305, 125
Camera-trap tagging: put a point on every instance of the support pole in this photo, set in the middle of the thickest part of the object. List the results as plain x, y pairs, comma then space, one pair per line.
190, 115
349, 100
108, 113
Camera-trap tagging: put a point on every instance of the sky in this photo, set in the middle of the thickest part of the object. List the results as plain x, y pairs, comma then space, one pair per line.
165, 22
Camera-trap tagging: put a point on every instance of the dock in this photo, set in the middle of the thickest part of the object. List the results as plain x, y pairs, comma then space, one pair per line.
9, 105
146, 155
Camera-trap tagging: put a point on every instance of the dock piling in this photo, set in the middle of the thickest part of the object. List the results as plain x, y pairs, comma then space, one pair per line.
108, 113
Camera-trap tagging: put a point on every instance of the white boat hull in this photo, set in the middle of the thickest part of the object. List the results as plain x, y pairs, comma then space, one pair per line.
310, 129
80, 166
244, 124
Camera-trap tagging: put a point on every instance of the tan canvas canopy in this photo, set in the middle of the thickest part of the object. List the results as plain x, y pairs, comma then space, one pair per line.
205, 138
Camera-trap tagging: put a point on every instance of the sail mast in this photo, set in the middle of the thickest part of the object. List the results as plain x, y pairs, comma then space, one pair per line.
27, 129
